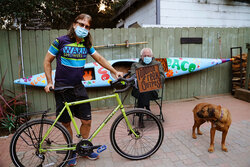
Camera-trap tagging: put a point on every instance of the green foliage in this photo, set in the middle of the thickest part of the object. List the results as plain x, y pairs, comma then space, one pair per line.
10, 108
9, 123
118, 5
55, 14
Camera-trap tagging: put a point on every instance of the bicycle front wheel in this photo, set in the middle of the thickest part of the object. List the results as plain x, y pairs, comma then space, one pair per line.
146, 125
24, 146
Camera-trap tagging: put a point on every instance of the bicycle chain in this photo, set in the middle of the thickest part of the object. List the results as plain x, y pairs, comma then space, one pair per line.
78, 156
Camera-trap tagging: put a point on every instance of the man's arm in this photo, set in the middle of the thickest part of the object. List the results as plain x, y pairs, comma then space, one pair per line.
48, 71
104, 63
133, 69
161, 70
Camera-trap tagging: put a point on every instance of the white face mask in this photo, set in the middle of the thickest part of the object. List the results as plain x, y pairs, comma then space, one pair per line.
147, 60
81, 32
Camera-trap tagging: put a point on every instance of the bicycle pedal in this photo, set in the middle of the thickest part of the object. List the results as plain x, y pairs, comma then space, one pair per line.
101, 148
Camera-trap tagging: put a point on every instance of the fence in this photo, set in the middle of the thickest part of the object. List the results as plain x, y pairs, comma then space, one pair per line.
165, 42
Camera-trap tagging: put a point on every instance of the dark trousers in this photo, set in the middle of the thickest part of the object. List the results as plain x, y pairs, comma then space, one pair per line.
143, 99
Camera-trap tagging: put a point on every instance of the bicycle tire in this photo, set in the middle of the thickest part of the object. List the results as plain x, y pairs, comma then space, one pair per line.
124, 141
24, 143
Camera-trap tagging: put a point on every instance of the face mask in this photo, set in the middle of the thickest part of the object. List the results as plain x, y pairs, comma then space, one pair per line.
81, 32
147, 60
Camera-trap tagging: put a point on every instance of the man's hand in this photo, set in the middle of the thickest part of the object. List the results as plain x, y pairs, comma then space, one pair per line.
48, 86
118, 74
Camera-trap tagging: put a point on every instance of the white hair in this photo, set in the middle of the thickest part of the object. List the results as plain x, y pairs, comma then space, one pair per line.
144, 49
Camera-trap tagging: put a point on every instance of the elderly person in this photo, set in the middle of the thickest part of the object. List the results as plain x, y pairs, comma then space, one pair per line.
147, 59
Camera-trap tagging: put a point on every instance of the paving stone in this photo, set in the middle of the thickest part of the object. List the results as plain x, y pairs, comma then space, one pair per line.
168, 163
200, 164
182, 157
172, 156
195, 159
179, 149
179, 164
188, 161
196, 151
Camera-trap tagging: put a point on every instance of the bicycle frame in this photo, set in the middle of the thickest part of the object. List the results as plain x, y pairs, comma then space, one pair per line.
67, 105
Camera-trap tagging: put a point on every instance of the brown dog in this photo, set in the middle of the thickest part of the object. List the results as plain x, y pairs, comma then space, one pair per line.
219, 117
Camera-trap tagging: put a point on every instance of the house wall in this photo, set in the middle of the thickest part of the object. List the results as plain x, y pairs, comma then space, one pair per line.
204, 13
145, 15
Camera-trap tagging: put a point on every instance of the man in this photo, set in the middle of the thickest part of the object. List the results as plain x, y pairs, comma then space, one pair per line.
70, 52
147, 59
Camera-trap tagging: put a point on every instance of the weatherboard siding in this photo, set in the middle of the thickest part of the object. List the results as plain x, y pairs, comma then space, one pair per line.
165, 42
145, 15
204, 13
188, 13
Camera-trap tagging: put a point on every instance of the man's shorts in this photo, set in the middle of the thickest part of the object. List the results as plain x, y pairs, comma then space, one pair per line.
81, 111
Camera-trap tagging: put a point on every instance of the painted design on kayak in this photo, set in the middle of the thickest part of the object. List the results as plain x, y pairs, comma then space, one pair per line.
97, 76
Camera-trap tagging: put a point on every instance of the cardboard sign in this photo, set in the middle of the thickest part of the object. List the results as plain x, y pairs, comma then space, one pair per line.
148, 78
163, 63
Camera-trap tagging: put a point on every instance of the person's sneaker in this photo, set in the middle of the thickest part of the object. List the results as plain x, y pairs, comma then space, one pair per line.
72, 161
92, 156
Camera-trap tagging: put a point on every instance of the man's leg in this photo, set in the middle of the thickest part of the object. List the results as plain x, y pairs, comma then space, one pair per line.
68, 127
83, 112
72, 161
140, 102
85, 128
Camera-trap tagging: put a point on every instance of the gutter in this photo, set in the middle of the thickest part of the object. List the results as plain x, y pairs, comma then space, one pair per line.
158, 12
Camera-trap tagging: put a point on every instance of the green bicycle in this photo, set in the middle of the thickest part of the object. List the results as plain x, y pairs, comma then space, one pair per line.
136, 134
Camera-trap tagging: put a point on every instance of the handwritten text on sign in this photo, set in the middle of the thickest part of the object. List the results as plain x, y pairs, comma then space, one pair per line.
148, 78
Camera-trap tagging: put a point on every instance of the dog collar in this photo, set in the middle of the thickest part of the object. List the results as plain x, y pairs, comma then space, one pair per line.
221, 115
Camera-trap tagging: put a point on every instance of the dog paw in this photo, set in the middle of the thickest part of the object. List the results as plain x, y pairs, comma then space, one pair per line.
194, 136
200, 133
211, 150
224, 149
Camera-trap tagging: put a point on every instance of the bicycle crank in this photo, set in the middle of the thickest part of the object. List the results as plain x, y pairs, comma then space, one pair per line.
85, 147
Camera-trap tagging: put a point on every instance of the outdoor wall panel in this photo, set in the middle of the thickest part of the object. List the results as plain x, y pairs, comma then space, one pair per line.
165, 42
5, 62
184, 53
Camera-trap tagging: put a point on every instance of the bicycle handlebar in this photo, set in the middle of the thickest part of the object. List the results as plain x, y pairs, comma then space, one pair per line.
123, 82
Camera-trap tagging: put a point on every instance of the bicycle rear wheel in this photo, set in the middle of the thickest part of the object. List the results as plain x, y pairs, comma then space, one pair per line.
146, 125
25, 142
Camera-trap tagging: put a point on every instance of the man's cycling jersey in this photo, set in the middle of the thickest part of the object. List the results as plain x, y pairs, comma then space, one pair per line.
70, 59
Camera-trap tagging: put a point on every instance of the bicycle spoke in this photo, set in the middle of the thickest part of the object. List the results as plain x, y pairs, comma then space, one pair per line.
146, 126
25, 144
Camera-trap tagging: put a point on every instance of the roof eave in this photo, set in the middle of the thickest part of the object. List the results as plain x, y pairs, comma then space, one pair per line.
128, 4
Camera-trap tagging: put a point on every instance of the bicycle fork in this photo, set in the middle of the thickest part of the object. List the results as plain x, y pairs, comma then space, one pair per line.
125, 117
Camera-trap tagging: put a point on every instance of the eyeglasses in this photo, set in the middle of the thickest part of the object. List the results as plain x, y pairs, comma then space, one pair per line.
83, 25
